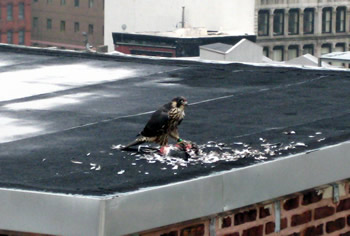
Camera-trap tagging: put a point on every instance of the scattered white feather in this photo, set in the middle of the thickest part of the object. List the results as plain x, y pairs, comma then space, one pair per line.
77, 162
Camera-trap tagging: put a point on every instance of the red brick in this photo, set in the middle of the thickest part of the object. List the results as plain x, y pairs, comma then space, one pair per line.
172, 233
345, 234
196, 230
226, 222
323, 212
344, 205
246, 216
233, 234
284, 223
270, 227
301, 219
313, 231
255, 231
335, 225
311, 197
291, 204
264, 212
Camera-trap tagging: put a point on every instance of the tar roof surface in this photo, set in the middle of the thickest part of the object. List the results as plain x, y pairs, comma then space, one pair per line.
60, 117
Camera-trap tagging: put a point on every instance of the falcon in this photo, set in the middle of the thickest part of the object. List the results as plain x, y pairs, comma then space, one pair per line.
163, 124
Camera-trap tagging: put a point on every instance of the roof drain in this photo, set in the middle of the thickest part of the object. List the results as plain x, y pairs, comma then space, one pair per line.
277, 216
336, 194
212, 230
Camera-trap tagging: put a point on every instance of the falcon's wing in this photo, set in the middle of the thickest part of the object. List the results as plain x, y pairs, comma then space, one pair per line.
157, 125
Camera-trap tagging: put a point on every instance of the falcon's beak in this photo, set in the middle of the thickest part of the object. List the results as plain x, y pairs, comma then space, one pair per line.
185, 103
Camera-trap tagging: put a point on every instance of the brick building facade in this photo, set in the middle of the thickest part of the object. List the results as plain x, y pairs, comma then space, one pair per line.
62, 23
15, 21
321, 211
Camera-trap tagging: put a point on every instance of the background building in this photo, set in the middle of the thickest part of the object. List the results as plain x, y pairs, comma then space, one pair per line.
61, 23
15, 21
289, 29
155, 15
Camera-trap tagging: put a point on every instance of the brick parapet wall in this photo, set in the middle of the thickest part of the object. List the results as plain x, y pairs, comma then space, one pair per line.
310, 213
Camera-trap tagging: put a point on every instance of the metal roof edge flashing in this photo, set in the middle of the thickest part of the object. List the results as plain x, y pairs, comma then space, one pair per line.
130, 212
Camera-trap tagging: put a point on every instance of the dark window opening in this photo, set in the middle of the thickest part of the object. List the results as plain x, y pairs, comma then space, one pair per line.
340, 19
266, 51
326, 48
327, 20
278, 53
293, 22
9, 12
308, 49
309, 18
263, 23
293, 51
278, 22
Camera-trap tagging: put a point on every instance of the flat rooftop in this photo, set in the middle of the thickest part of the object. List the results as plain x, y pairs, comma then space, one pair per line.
272, 130
61, 117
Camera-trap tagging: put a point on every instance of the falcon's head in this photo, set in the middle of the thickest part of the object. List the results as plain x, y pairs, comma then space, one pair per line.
179, 102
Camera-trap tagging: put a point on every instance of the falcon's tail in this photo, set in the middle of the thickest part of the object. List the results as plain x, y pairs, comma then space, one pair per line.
134, 143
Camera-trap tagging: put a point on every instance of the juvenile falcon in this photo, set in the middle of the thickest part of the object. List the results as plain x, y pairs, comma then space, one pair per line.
163, 124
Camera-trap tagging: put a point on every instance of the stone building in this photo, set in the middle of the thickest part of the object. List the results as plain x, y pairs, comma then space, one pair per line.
288, 29
15, 21
61, 23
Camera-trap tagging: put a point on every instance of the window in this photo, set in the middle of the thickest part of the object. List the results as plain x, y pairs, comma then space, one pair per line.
91, 29
278, 22
340, 47
266, 51
193, 230
263, 23
63, 2
48, 24
21, 10
327, 20
293, 22
21, 37
308, 49
278, 54
326, 48
76, 3
63, 26
76, 27
35, 22
340, 19
293, 51
9, 11
309, 16
9, 36
91, 3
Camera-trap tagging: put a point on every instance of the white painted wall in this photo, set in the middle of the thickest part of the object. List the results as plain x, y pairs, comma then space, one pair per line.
206, 54
243, 51
165, 15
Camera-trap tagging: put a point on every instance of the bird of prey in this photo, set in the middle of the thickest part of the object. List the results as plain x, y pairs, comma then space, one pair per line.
163, 124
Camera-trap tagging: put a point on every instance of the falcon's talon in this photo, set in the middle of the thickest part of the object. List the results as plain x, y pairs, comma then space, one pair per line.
164, 150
